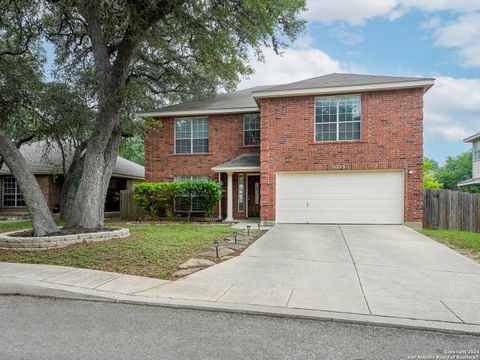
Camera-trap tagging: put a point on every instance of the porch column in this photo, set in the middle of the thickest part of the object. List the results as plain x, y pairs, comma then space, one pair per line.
220, 201
229, 197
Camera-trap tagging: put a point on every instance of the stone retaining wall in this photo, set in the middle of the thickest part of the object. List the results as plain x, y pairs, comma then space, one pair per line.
9, 242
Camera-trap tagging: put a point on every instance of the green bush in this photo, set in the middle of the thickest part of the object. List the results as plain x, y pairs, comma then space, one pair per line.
158, 199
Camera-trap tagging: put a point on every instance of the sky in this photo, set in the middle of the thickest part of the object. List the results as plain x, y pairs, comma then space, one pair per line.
430, 38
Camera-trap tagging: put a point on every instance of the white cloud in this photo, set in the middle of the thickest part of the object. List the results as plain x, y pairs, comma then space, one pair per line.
303, 42
345, 36
432, 23
464, 34
451, 109
352, 11
357, 12
292, 65
441, 5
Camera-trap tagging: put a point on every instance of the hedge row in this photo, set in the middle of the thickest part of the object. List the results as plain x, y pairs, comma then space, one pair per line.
158, 198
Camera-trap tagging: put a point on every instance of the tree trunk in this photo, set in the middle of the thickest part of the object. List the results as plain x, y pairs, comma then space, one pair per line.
89, 203
70, 184
102, 148
42, 219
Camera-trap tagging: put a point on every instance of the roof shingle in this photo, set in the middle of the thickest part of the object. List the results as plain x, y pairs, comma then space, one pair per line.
47, 159
244, 100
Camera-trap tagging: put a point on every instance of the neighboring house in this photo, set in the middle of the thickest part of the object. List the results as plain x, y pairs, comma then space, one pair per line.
339, 148
46, 162
475, 180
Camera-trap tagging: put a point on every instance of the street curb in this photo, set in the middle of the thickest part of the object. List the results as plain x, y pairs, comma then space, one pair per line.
11, 286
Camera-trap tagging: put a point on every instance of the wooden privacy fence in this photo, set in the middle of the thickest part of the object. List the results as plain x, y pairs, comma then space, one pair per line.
129, 210
451, 210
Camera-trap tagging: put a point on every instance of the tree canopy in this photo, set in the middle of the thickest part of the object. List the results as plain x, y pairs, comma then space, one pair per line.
455, 170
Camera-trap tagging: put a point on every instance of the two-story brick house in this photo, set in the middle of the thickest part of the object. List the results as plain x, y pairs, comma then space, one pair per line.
339, 148
475, 180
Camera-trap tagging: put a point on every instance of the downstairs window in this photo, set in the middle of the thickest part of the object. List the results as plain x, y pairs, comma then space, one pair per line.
181, 203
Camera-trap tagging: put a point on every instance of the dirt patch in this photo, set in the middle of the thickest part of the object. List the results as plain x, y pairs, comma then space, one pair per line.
474, 255
62, 232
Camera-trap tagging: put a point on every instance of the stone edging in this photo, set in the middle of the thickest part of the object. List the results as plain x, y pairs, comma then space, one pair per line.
8, 242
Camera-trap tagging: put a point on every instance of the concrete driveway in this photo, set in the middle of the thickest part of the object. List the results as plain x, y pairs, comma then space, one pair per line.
387, 270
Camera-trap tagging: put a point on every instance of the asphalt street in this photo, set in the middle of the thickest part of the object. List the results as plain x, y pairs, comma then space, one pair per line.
43, 328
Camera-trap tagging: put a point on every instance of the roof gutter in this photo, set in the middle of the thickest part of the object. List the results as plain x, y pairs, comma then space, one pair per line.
472, 138
425, 84
235, 169
198, 112
124, 176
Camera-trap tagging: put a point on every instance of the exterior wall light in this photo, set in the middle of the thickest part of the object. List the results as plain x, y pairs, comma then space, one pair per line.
409, 171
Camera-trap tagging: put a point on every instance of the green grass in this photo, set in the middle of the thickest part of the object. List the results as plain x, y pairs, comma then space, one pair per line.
459, 239
6, 226
151, 250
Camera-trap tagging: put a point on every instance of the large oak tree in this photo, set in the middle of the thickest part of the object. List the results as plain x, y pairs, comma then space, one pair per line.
129, 53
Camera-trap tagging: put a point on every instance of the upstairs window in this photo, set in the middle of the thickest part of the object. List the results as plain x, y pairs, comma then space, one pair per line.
12, 196
338, 118
476, 151
191, 135
251, 129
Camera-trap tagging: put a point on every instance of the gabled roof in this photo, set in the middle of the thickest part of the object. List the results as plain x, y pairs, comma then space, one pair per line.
47, 159
244, 101
244, 162
472, 138
240, 101
343, 83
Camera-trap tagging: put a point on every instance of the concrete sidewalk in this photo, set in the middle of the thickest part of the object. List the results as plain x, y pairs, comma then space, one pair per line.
65, 282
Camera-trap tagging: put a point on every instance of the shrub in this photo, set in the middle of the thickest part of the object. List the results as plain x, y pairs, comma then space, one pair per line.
158, 199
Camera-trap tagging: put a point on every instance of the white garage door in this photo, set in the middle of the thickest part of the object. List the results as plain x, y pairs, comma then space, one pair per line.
340, 197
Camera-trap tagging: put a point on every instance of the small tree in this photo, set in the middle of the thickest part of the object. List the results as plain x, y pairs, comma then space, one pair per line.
455, 170
429, 177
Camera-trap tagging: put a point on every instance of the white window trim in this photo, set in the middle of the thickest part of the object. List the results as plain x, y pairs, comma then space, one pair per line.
243, 124
243, 193
177, 178
17, 192
476, 151
191, 135
337, 122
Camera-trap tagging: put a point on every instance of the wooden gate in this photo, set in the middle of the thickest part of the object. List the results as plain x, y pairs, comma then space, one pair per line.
129, 210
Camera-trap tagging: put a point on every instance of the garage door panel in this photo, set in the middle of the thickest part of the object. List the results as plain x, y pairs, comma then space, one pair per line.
340, 197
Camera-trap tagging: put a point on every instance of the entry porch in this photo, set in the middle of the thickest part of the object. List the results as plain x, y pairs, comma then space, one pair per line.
241, 179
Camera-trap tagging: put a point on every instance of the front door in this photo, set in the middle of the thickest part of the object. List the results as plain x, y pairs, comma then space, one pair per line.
253, 195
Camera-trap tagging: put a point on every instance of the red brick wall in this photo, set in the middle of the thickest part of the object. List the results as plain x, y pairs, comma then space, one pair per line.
392, 138
225, 142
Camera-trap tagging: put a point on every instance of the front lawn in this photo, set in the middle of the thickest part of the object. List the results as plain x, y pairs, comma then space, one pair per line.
151, 250
467, 243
